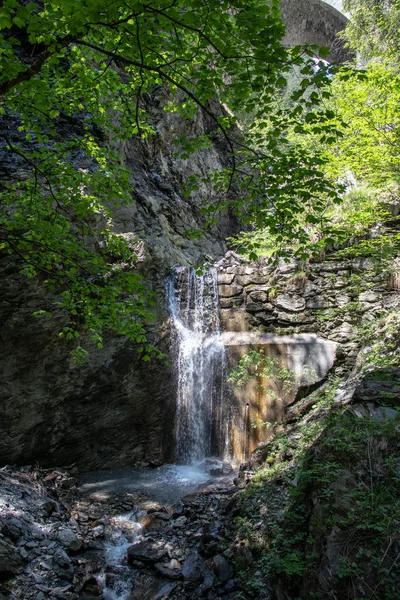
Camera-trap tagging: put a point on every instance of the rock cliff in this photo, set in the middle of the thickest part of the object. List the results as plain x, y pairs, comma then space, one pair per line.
112, 410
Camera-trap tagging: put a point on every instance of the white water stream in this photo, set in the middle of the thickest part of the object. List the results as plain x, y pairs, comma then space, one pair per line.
202, 413
116, 581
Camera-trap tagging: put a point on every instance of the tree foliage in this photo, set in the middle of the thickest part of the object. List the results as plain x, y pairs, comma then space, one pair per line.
373, 29
370, 106
73, 77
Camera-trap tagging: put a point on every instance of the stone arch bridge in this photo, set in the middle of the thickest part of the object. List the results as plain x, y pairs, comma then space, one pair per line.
315, 22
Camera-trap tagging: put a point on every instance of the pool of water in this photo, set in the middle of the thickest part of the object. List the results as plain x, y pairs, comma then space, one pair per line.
165, 484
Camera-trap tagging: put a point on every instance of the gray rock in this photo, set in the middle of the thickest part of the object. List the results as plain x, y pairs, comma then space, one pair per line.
11, 562
255, 306
379, 414
226, 291
13, 528
319, 302
147, 551
225, 278
166, 570
293, 303
259, 296
151, 589
391, 300
232, 302
69, 540
180, 521
380, 385
193, 568
208, 582
61, 559
341, 300
287, 266
255, 278
343, 333
221, 568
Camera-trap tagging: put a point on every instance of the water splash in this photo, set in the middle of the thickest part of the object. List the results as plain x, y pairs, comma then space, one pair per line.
202, 417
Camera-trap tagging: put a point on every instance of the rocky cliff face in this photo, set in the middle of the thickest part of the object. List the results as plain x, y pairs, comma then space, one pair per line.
307, 320
114, 409
330, 299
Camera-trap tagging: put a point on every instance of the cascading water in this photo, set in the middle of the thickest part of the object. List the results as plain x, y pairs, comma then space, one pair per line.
202, 414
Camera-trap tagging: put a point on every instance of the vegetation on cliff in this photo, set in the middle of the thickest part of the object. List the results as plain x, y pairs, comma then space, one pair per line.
73, 85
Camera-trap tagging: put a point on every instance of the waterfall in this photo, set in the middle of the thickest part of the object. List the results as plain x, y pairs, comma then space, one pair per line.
202, 414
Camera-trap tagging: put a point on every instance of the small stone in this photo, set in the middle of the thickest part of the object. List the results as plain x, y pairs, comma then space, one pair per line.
162, 515
61, 558
180, 521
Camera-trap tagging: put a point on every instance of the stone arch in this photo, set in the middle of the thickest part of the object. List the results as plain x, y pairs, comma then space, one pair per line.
314, 22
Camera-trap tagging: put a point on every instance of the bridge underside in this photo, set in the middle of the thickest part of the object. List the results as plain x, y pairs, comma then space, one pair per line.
314, 22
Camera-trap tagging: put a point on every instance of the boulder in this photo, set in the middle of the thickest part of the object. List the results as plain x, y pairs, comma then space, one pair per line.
147, 551
170, 569
221, 568
69, 540
193, 568
152, 589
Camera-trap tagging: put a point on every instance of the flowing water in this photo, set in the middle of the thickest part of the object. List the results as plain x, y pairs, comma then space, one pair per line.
116, 580
202, 424
202, 411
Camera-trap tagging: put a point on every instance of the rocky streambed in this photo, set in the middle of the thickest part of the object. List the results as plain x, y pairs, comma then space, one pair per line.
58, 541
